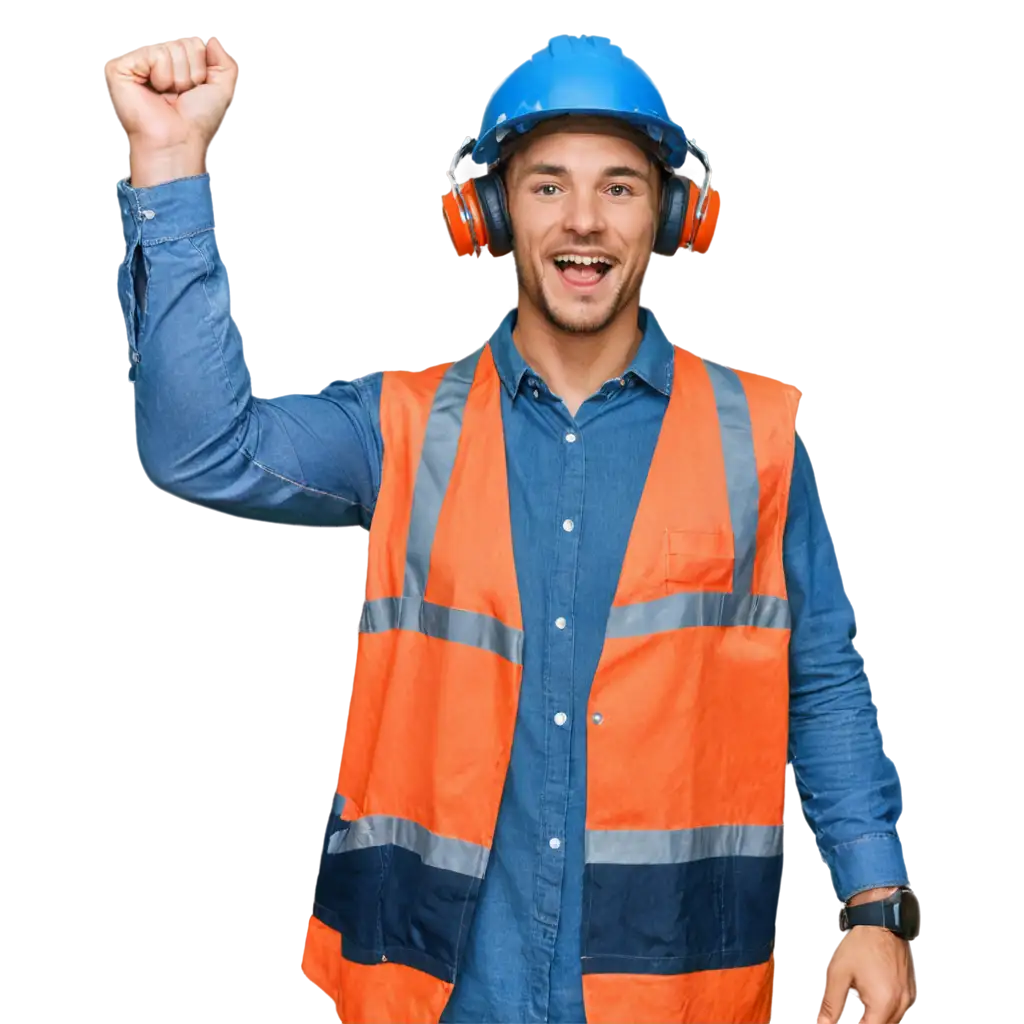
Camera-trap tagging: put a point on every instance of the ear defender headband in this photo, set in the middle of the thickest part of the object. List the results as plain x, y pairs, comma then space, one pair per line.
476, 228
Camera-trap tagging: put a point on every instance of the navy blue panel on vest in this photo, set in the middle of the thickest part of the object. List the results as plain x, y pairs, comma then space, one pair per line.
386, 902
676, 918
348, 889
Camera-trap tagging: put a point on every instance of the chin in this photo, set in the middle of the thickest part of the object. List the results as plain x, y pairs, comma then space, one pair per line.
581, 323
581, 316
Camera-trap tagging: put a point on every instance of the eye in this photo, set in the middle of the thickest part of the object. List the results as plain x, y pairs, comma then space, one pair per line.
547, 189
623, 190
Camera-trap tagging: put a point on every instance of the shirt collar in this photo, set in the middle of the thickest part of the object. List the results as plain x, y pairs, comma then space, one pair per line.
652, 363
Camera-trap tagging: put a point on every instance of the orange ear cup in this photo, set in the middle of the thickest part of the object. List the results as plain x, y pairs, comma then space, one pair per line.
707, 225
458, 229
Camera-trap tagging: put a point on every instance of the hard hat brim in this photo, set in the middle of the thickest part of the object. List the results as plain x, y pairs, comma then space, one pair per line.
669, 135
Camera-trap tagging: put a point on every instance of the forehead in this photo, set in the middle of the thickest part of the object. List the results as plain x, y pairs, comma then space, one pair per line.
583, 145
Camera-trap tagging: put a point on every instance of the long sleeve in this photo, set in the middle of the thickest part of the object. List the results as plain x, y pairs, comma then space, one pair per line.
307, 459
849, 789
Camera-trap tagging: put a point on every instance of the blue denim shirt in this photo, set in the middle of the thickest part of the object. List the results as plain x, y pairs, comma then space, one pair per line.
316, 460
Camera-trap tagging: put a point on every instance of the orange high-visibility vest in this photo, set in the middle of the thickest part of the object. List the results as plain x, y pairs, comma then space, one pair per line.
687, 720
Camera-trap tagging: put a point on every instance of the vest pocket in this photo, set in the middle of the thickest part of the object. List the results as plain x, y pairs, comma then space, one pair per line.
698, 560
349, 886
425, 912
697, 915
654, 918
387, 902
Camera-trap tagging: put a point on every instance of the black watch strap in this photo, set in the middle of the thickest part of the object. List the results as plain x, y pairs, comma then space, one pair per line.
897, 912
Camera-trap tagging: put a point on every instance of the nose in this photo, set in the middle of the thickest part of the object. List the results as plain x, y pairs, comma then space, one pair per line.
583, 214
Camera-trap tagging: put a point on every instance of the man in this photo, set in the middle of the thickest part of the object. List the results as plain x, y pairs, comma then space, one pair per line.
602, 608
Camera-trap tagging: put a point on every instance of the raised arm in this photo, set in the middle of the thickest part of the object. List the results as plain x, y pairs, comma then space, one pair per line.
202, 435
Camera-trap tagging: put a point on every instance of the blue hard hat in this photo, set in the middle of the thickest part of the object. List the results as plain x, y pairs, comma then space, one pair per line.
578, 75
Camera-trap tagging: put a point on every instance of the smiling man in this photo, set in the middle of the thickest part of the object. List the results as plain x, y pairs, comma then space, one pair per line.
603, 610
584, 198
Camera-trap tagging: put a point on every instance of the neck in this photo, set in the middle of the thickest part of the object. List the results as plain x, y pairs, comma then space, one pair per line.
575, 365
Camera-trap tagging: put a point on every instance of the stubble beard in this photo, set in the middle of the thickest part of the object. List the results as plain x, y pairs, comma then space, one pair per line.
535, 291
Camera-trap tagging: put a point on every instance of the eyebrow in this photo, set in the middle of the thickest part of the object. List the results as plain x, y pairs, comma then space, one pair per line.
624, 171
560, 171
555, 170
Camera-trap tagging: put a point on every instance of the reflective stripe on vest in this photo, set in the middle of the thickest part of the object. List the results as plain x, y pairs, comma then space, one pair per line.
677, 846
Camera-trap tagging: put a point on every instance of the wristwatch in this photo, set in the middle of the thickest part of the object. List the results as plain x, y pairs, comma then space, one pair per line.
899, 913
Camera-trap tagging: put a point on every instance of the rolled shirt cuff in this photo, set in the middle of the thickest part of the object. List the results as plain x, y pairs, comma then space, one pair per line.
870, 862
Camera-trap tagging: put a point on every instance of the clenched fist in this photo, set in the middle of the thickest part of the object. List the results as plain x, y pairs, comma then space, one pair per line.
171, 98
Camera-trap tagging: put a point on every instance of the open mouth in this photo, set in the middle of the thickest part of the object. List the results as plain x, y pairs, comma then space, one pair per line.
582, 271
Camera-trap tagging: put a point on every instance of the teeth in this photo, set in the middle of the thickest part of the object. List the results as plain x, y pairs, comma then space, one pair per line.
582, 260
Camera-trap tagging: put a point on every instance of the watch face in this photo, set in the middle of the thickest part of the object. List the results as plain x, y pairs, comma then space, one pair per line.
910, 915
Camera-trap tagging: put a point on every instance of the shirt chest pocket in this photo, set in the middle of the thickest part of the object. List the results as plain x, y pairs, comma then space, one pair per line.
697, 560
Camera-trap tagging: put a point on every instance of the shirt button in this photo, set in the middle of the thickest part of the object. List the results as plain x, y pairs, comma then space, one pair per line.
622, 382
567, 526
560, 622
560, 718
570, 438
532, 382
536, 393
554, 842
597, 717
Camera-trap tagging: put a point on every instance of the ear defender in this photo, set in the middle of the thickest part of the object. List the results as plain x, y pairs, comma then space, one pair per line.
476, 213
704, 225
688, 211
475, 224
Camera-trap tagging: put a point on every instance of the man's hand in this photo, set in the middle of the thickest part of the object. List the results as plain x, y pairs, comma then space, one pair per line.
171, 98
879, 965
